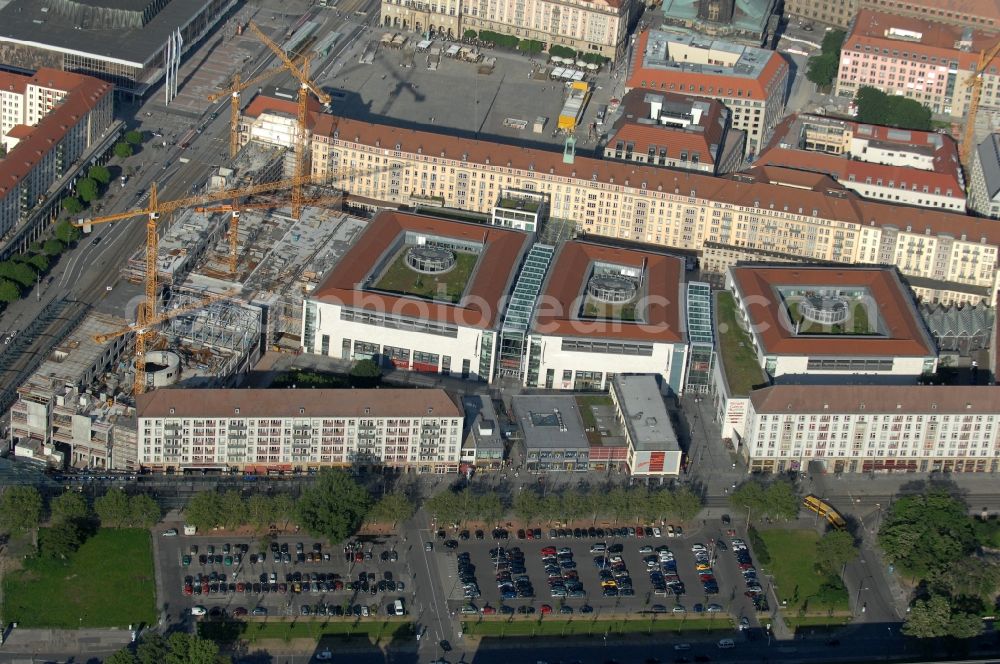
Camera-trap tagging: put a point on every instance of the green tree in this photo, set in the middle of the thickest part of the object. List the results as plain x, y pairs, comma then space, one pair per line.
392, 508
782, 500
68, 506
822, 69
113, 509
99, 174
562, 51
489, 507
66, 232
260, 512
9, 291
834, 550
133, 137
833, 41
924, 534
618, 505
936, 617
470, 34
970, 577
123, 150
204, 510
123, 656
40, 262
573, 504
72, 205
446, 507
876, 107
333, 506
686, 504
191, 649
20, 509
284, 508
144, 512
365, 373
153, 649
21, 273
233, 510
53, 247
527, 505
60, 540
87, 190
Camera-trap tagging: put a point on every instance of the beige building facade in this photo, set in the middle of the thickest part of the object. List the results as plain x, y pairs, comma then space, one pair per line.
775, 210
980, 14
591, 26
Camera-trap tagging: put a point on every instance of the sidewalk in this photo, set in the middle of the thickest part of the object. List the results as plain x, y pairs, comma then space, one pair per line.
80, 642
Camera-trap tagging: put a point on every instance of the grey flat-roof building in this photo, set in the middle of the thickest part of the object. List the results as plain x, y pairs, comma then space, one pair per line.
483, 445
120, 41
553, 431
653, 448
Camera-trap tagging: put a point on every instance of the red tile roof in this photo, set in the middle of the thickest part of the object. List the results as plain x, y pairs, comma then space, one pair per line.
13, 82
558, 307
905, 335
937, 39
871, 399
715, 85
265, 104
181, 402
85, 92
711, 127
483, 302
20, 131
741, 190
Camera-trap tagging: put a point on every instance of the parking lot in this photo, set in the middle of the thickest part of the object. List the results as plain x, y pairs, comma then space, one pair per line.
611, 571
303, 577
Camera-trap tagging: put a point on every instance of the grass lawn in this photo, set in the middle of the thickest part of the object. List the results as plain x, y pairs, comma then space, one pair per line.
560, 626
738, 358
793, 563
858, 321
602, 310
399, 278
796, 622
228, 631
107, 583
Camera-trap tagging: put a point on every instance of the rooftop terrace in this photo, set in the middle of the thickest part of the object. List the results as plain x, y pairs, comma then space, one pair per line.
739, 361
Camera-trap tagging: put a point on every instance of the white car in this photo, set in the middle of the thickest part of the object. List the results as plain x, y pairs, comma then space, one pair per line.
172, 532
198, 610
657, 532
324, 655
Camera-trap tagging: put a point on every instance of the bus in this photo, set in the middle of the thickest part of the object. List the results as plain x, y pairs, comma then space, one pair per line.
821, 508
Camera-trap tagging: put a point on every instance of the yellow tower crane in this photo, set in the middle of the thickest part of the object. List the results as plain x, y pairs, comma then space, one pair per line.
154, 209
976, 83
233, 91
164, 316
234, 220
306, 85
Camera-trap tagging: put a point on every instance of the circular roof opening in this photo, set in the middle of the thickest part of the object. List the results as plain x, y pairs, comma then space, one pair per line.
612, 289
430, 260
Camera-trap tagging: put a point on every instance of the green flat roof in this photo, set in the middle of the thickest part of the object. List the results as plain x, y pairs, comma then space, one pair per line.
739, 361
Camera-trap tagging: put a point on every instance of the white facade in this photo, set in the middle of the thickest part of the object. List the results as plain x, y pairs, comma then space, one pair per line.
339, 331
564, 363
802, 365
418, 429
873, 429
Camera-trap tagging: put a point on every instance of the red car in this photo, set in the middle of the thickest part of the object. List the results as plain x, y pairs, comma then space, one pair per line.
549, 551
489, 611
359, 556
188, 589
529, 534
239, 587
546, 609
639, 532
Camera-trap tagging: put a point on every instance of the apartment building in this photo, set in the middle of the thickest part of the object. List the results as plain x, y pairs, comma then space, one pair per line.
901, 166
918, 59
268, 430
591, 26
979, 14
676, 131
873, 428
984, 178
946, 257
48, 121
750, 81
